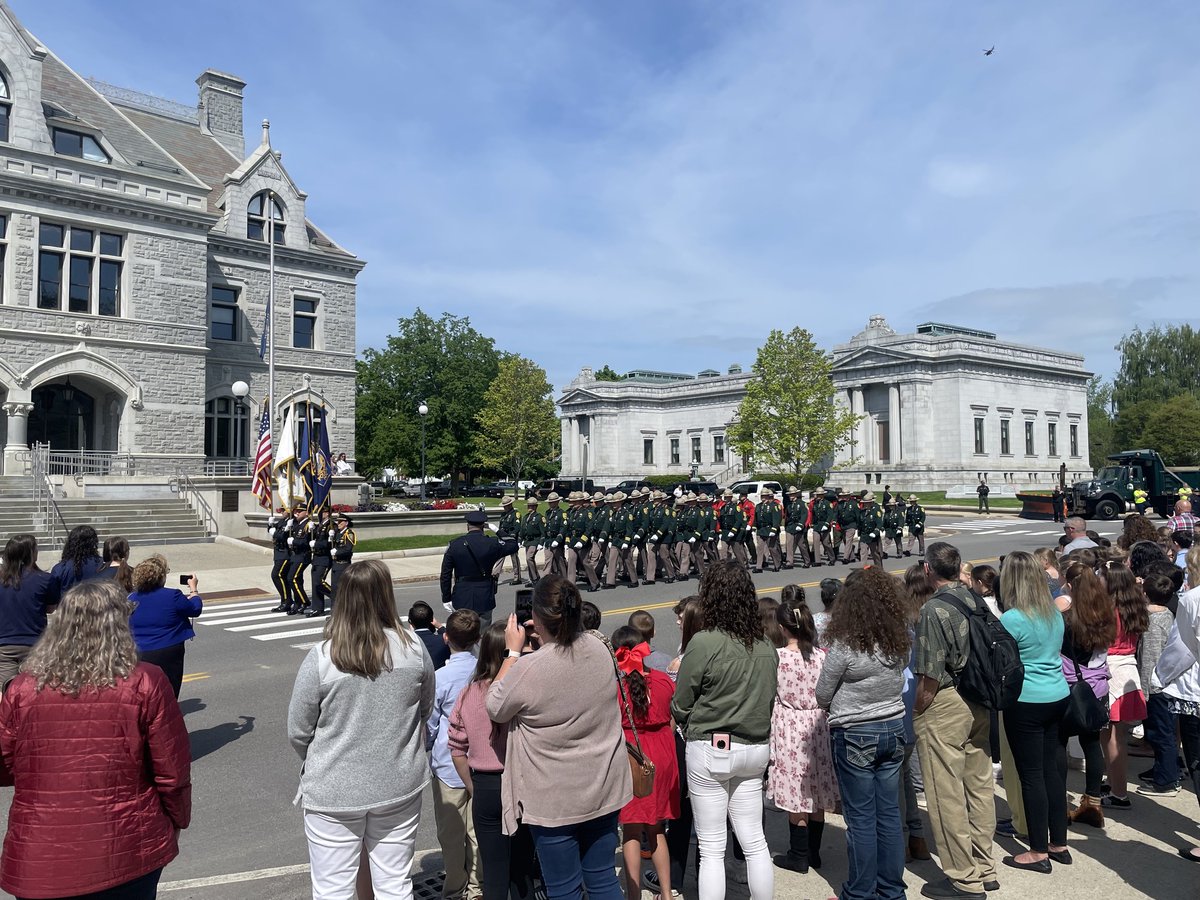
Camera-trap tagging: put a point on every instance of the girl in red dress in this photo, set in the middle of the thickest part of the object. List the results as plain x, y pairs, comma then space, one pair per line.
650, 694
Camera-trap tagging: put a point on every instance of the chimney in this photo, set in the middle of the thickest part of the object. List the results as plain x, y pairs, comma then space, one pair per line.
221, 109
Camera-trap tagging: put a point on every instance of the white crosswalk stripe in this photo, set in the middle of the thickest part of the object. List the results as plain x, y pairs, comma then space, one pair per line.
991, 527
256, 616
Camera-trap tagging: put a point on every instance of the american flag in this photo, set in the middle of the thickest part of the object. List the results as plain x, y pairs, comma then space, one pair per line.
262, 460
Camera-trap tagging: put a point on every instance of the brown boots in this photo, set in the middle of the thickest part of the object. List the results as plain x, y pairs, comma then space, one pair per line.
1088, 812
917, 849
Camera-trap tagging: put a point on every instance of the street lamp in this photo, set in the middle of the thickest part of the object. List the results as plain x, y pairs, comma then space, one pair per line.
423, 411
240, 391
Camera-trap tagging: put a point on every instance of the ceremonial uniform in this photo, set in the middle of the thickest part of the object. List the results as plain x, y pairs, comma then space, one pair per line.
299, 559
641, 510
797, 524
623, 526
600, 525
914, 518
533, 535
824, 523
893, 526
655, 514
466, 579
279, 528
705, 550
556, 536
747, 508
509, 527
732, 524
870, 523
768, 521
342, 549
668, 567
687, 536
322, 562
847, 521
579, 540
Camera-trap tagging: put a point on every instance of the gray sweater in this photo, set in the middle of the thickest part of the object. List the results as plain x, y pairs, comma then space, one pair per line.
362, 741
856, 687
1151, 648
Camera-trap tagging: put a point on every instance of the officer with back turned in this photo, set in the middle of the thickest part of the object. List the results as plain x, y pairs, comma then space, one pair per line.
341, 546
279, 527
467, 581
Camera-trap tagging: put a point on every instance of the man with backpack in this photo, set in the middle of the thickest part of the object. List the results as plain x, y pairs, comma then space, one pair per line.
953, 730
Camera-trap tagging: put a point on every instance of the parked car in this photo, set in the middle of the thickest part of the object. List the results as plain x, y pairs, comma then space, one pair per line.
413, 488
488, 489
564, 486
696, 487
752, 489
629, 485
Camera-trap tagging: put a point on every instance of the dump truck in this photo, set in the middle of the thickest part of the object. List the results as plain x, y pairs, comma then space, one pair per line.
1110, 492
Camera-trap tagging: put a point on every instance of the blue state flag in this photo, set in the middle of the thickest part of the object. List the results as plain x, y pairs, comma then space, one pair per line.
322, 469
305, 455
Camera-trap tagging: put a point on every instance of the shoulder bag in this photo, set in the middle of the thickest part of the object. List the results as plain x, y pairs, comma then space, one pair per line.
640, 766
1085, 713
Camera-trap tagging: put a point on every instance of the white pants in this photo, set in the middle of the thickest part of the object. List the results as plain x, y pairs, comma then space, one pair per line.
729, 783
335, 843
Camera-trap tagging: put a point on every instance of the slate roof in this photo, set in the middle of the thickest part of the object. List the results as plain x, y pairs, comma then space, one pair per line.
202, 155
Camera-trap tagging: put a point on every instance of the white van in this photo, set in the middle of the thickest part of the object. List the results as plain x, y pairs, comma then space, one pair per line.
753, 489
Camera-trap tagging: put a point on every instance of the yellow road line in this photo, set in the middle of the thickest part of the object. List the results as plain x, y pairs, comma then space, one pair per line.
195, 676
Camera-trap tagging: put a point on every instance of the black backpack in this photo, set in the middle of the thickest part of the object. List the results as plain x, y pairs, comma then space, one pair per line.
993, 673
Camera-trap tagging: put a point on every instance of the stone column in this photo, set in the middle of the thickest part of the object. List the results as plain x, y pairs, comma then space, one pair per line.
895, 449
18, 436
858, 445
576, 459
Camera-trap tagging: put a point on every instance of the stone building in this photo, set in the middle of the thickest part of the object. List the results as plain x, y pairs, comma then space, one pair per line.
947, 406
134, 272
651, 423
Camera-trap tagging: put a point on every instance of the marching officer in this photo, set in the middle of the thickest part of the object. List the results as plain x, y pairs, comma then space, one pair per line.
914, 518
654, 525
279, 528
299, 559
623, 527
870, 524
640, 508
824, 519
748, 510
467, 581
847, 520
597, 552
533, 535
797, 524
556, 527
666, 542
893, 525
732, 524
687, 535
343, 543
508, 528
705, 551
322, 562
768, 520
579, 539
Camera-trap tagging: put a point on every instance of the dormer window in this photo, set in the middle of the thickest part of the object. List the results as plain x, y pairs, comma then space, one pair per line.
78, 144
5, 108
256, 218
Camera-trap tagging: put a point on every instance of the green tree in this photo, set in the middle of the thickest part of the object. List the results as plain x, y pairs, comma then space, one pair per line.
1101, 436
442, 362
1157, 365
518, 426
788, 417
606, 373
1170, 428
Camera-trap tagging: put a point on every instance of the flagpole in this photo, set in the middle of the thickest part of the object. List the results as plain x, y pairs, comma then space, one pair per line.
270, 211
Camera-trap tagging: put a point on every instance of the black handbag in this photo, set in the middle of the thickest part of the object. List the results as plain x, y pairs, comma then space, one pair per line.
1085, 713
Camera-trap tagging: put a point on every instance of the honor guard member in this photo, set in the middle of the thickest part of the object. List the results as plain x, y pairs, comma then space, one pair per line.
279, 527
870, 526
748, 511
768, 522
705, 551
796, 523
732, 523
322, 561
579, 539
640, 507
622, 528
556, 535
825, 528
914, 518
1141, 500
507, 528
299, 559
467, 581
847, 520
343, 542
654, 524
598, 547
668, 568
893, 525
687, 535
533, 536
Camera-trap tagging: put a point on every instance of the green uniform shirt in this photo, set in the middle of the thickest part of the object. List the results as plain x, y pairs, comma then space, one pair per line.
507, 526
668, 526
847, 514
707, 523
823, 514
797, 515
556, 525
731, 521
533, 529
768, 517
893, 522
579, 526
870, 522
601, 519
914, 518
687, 524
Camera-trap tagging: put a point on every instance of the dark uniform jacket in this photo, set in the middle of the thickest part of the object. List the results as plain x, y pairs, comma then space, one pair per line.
579, 526
624, 525
768, 517
466, 570
797, 517
279, 530
507, 526
914, 518
893, 522
601, 523
556, 526
343, 547
847, 514
706, 523
687, 524
298, 538
824, 514
870, 522
533, 529
731, 521
321, 547
668, 526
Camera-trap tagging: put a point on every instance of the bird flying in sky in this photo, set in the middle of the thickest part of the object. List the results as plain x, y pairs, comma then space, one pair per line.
990, 51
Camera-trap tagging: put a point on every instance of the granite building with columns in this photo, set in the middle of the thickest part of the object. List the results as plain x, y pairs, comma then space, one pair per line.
945, 407
134, 271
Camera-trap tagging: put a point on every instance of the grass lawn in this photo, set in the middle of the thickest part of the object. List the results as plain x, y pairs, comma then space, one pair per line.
406, 542
939, 498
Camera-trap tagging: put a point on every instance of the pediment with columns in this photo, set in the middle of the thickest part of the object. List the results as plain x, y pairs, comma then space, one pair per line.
873, 358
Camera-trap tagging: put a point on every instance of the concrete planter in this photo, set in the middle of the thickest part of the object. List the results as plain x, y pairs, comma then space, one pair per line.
391, 524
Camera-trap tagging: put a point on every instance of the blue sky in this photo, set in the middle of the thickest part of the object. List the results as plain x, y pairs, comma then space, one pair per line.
657, 184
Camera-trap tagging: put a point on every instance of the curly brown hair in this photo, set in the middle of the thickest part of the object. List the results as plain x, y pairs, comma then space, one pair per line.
870, 615
729, 603
1136, 528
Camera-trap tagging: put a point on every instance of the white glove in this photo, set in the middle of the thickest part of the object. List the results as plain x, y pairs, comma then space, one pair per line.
601, 541
270, 532
624, 546
291, 541
449, 607
691, 540
653, 538
578, 545
332, 536
491, 526
312, 545
553, 545
774, 532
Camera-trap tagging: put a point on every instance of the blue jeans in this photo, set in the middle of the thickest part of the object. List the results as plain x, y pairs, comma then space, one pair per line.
867, 758
574, 856
1160, 735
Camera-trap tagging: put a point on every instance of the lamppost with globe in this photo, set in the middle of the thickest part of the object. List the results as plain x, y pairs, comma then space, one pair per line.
423, 411
240, 391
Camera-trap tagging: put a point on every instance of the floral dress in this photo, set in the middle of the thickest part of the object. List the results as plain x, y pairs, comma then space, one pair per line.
801, 776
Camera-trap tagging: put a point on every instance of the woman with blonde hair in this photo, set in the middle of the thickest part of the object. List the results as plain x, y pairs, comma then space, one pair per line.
98, 753
1032, 725
357, 720
162, 617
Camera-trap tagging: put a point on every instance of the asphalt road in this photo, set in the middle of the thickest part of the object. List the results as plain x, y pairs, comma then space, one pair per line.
247, 838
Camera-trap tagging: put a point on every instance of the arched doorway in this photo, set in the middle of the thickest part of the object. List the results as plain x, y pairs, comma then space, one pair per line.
63, 416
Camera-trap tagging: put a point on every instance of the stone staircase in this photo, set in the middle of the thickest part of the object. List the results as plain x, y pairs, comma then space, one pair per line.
156, 520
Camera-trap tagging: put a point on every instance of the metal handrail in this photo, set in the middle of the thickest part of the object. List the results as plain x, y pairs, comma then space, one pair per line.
182, 485
43, 494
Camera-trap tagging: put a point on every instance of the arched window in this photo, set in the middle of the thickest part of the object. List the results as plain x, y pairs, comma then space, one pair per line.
226, 428
5, 108
256, 218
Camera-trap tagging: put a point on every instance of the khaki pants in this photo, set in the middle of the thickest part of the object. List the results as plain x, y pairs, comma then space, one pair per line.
875, 548
683, 558
798, 541
578, 559
597, 557
616, 557
768, 551
514, 561
531, 567
734, 548
956, 763
650, 562
851, 548
456, 834
919, 538
666, 561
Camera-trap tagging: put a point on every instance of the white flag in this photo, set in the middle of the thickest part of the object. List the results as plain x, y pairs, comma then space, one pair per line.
289, 485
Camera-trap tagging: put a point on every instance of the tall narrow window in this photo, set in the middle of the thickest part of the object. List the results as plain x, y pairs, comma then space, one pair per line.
674, 451
5, 109
718, 448
1074, 434
1052, 438
224, 313
648, 451
1029, 439
50, 266
3, 252
91, 262
226, 428
979, 434
696, 449
1005, 437
256, 218
304, 323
